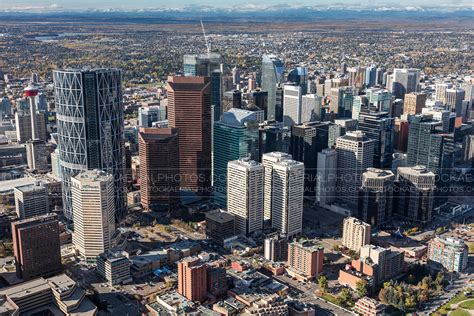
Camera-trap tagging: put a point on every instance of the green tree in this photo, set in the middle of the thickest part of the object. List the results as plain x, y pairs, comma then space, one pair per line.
345, 297
362, 288
323, 283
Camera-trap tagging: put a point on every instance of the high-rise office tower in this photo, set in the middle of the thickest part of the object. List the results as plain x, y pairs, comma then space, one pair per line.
192, 279
236, 136
291, 105
232, 99
401, 135
272, 75
376, 196
355, 233
415, 193
207, 65
428, 145
189, 110
279, 99
311, 89
41, 101
380, 127
268, 160
307, 140
90, 128
23, 126
311, 108
405, 81
358, 104
356, 77
259, 98
342, 99
245, 194
454, 101
326, 176
235, 76
440, 91
379, 99
355, 152
93, 213
148, 115
274, 137
299, 76
287, 197
440, 114
36, 246
379, 76
159, 168
252, 84
370, 76
5, 107
414, 102
31, 200
339, 128
37, 156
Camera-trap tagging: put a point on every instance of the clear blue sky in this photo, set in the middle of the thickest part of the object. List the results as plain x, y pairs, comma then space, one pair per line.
84, 4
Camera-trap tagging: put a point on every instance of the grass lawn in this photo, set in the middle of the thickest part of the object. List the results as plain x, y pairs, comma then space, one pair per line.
459, 312
468, 304
444, 310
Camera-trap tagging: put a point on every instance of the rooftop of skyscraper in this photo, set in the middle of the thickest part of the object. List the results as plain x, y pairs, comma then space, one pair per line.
238, 117
308, 244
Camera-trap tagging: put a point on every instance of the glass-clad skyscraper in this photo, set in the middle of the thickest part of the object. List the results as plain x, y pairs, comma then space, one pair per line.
207, 65
272, 74
235, 136
90, 128
380, 127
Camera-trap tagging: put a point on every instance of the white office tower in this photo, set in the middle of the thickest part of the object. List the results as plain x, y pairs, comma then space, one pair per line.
287, 199
440, 91
355, 233
355, 153
405, 81
326, 176
311, 106
93, 213
31, 200
454, 101
268, 160
291, 105
245, 194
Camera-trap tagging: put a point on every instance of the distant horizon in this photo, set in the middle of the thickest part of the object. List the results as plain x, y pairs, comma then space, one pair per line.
81, 5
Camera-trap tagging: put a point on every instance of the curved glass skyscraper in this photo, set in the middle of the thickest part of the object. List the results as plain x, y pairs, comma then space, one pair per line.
90, 128
272, 74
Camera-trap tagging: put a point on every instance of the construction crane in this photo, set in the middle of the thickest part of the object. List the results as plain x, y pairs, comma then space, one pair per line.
208, 45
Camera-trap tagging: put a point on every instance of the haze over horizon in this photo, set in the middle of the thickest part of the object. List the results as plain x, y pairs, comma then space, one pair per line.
46, 5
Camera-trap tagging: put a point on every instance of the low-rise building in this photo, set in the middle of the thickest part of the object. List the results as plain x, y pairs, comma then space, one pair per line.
114, 267
220, 225
369, 307
58, 295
